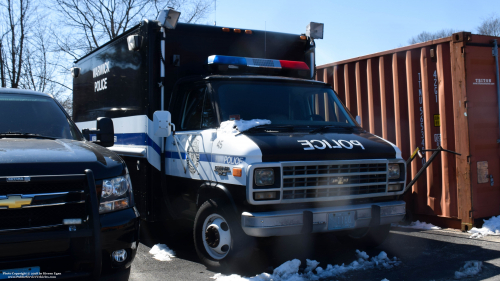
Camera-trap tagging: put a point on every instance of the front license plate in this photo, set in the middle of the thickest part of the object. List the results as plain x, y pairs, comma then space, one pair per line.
341, 220
19, 272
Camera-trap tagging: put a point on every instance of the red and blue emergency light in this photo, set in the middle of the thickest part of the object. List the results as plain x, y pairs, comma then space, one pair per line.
257, 63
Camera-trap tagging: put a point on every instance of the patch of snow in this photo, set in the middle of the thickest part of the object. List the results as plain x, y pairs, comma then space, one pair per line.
289, 271
311, 265
162, 253
470, 268
237, 126
418, 225
490, 227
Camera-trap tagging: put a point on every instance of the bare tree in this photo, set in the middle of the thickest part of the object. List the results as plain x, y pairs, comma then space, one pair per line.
3, 82
16, 19
490, 26
94, 22
26, 59
427, 36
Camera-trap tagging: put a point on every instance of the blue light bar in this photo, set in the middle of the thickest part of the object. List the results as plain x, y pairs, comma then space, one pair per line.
215, 59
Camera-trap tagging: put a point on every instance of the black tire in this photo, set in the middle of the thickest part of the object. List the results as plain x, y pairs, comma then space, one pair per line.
240, 247
365, 238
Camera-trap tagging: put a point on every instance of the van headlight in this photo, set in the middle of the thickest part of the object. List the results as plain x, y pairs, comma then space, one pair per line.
116, 194
394, 171
264, 177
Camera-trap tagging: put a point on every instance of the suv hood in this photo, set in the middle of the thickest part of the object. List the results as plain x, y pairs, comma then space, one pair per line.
29, 157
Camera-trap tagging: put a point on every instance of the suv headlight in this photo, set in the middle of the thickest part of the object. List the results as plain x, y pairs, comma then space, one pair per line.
264, 177
116, 194
394, 172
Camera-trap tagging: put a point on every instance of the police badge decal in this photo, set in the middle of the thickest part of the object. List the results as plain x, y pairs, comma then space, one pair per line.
193, 152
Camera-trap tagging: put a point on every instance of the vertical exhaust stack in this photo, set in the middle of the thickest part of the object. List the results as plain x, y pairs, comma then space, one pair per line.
314, 30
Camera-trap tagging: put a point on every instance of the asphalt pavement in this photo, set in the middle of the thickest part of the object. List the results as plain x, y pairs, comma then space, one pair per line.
424, 255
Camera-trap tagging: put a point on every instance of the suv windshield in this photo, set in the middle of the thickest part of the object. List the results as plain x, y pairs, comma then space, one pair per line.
281, 103
32, 115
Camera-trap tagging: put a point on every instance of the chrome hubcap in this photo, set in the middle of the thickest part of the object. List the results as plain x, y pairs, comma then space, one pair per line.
216, 236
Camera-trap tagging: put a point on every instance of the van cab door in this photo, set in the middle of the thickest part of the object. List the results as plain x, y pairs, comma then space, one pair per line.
189, 149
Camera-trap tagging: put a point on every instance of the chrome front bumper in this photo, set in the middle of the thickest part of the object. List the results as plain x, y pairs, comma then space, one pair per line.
290, 222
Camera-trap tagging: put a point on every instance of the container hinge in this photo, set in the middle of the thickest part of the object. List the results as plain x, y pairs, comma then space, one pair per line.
468, 159
461, 37
470, 213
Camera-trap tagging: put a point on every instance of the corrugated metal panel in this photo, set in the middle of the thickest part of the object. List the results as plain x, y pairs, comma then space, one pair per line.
424, 95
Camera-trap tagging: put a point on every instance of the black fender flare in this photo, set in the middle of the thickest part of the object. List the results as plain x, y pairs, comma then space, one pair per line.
221, 189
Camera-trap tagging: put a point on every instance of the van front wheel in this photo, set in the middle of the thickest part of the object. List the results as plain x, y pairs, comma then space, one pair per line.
218, 238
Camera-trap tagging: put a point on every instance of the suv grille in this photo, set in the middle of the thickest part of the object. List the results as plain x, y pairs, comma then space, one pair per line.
40, 187
323, 181
40, 216
43, 215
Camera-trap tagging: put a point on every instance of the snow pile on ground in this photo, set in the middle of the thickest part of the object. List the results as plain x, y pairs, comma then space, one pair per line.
418, 225
289, 271
162, 253
237, 126
470, 268
490, 227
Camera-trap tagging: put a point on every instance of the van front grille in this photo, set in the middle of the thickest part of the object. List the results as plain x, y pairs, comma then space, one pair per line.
332, 192
330, 181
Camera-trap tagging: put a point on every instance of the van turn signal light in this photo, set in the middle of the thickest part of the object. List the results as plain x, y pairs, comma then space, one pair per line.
236, 30
248, 32
225, 29
237, 172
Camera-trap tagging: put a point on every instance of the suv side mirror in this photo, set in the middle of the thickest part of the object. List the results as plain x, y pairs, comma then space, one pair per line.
105, 133
162, 122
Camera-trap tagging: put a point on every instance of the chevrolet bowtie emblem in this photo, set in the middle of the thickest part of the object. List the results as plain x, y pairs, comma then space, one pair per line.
15, 201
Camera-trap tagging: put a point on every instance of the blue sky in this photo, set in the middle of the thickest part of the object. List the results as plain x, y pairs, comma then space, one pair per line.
354, 28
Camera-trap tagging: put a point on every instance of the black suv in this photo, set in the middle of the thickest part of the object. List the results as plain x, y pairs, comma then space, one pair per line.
66, 204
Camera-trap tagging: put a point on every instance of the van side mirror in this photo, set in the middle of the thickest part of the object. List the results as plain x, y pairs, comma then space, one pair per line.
105, 133
358, 119
162, 122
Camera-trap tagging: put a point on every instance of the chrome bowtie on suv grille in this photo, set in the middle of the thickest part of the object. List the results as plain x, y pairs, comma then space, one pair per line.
41, 204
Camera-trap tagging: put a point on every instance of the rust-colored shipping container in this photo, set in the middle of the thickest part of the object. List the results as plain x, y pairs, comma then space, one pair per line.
437, 92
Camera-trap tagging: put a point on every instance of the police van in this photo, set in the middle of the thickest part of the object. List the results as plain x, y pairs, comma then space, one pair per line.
225, 127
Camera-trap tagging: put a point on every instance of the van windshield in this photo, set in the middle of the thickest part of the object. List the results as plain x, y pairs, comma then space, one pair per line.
281, 103
34, 116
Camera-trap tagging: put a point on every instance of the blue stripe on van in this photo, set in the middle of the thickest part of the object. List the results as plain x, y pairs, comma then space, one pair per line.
144, 139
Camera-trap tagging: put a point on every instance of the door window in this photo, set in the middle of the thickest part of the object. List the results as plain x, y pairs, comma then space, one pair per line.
209, 118
198, 112
193, 109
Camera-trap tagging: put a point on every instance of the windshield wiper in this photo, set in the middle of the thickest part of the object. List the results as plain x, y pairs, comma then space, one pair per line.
26, 135
324, 128
268, 128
